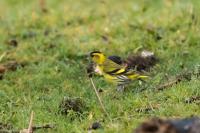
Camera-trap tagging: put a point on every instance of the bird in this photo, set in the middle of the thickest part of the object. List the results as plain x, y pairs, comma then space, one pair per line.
113, 69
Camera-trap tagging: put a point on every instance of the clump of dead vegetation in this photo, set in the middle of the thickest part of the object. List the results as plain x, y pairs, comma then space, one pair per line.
157, 125
143, 61
193, 99
10, 65
76, 105
95, 126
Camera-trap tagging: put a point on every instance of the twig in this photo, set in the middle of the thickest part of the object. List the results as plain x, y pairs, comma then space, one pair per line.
30, 127
168, 84
99, 99
46, 126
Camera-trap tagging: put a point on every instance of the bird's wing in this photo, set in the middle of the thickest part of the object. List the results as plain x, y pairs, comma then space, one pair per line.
116, 59
121, 71
110, 67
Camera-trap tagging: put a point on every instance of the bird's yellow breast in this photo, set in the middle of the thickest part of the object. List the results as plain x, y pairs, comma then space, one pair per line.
108, 77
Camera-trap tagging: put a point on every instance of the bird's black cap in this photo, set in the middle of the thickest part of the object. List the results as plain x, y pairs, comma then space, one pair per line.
91, 54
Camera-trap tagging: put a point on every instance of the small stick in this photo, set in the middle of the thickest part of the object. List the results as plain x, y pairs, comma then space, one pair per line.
168, 84
46, 126
43, 127
99, 99
30, 127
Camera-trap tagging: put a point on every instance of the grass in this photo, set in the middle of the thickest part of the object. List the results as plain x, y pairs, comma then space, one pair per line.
54, 46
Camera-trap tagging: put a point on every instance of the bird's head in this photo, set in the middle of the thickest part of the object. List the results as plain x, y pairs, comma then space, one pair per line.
98, 57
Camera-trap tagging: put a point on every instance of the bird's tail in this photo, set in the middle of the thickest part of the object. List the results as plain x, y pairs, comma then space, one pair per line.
137, 76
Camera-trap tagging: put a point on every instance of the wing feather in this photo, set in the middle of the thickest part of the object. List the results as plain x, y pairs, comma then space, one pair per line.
111, 67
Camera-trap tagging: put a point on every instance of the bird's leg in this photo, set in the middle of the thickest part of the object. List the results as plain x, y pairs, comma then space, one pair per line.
120, 87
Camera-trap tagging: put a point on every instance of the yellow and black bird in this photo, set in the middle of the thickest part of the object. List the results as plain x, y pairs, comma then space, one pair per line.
114, 70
